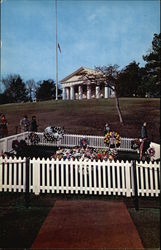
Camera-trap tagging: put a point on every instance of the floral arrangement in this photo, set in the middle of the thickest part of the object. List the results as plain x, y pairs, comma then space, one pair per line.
99, 154
53, 134
135, 144
34, 138
19, 146
85, 153
15, 144
84, 142
113, 153
150, 152
112, 139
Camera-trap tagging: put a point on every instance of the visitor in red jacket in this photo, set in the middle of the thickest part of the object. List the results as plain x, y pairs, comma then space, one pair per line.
3, 126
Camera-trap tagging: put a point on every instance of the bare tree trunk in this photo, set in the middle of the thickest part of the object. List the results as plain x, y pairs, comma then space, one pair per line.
118, 108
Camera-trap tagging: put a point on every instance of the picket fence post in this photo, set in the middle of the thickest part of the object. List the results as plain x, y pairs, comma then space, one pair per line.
136, 200
27, 187
36, 176
127, 170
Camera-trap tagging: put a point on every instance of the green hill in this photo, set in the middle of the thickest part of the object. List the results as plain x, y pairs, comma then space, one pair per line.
89, 116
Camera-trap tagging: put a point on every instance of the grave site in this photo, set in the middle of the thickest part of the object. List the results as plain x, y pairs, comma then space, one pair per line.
53, 162
80, 125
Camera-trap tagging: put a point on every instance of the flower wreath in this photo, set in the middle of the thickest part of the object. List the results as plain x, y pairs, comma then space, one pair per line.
34, 138
114, 137
84, 142
151, 152
53, 134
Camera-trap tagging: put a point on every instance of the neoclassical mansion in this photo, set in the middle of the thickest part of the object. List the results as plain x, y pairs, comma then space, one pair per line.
74, 86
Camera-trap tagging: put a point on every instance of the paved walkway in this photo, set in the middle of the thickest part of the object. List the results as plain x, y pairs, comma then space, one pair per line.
84, 224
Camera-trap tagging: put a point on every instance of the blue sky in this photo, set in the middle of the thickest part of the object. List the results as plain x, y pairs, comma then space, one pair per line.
90, 33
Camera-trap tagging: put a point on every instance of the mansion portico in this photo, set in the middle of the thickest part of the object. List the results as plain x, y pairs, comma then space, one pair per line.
76, 86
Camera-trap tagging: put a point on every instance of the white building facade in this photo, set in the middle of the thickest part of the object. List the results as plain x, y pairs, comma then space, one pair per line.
74, 87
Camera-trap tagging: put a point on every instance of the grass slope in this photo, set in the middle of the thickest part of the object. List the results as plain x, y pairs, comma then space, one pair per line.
89, 116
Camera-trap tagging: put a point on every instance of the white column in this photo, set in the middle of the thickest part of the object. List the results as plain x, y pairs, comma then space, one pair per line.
80, 92
112, 93
72, 93
106, 92
97, 91
88, 92
64, 93
67, 93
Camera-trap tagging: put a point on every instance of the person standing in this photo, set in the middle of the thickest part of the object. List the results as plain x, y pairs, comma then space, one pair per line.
106, 129
144, 134
34, 125
144, 141
24, 124
3, 126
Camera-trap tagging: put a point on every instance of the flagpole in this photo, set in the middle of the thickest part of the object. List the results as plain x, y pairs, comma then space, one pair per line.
56, 52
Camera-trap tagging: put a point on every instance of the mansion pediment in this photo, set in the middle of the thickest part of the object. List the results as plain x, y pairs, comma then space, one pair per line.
78, 86
77, 76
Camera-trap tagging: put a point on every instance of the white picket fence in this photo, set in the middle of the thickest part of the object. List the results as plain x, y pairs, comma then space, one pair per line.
148, 178
79, 177
12, 174
69, 140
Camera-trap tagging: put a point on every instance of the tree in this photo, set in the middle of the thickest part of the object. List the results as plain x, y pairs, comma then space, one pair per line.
109, 76
15, 89
142, 88
46, 90
3, 98
30, 85
130, 80
153, 62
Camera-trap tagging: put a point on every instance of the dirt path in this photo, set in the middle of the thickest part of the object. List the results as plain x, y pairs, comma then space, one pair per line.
88, 224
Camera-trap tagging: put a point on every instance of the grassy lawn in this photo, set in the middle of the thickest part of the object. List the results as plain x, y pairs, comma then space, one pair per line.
90, 116
19, 225
147, 222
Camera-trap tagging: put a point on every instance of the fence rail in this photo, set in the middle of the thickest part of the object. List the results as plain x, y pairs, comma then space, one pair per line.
69, 140
6, 143
72, 140
79, 177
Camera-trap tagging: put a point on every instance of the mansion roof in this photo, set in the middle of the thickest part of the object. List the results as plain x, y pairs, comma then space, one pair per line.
76, 76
